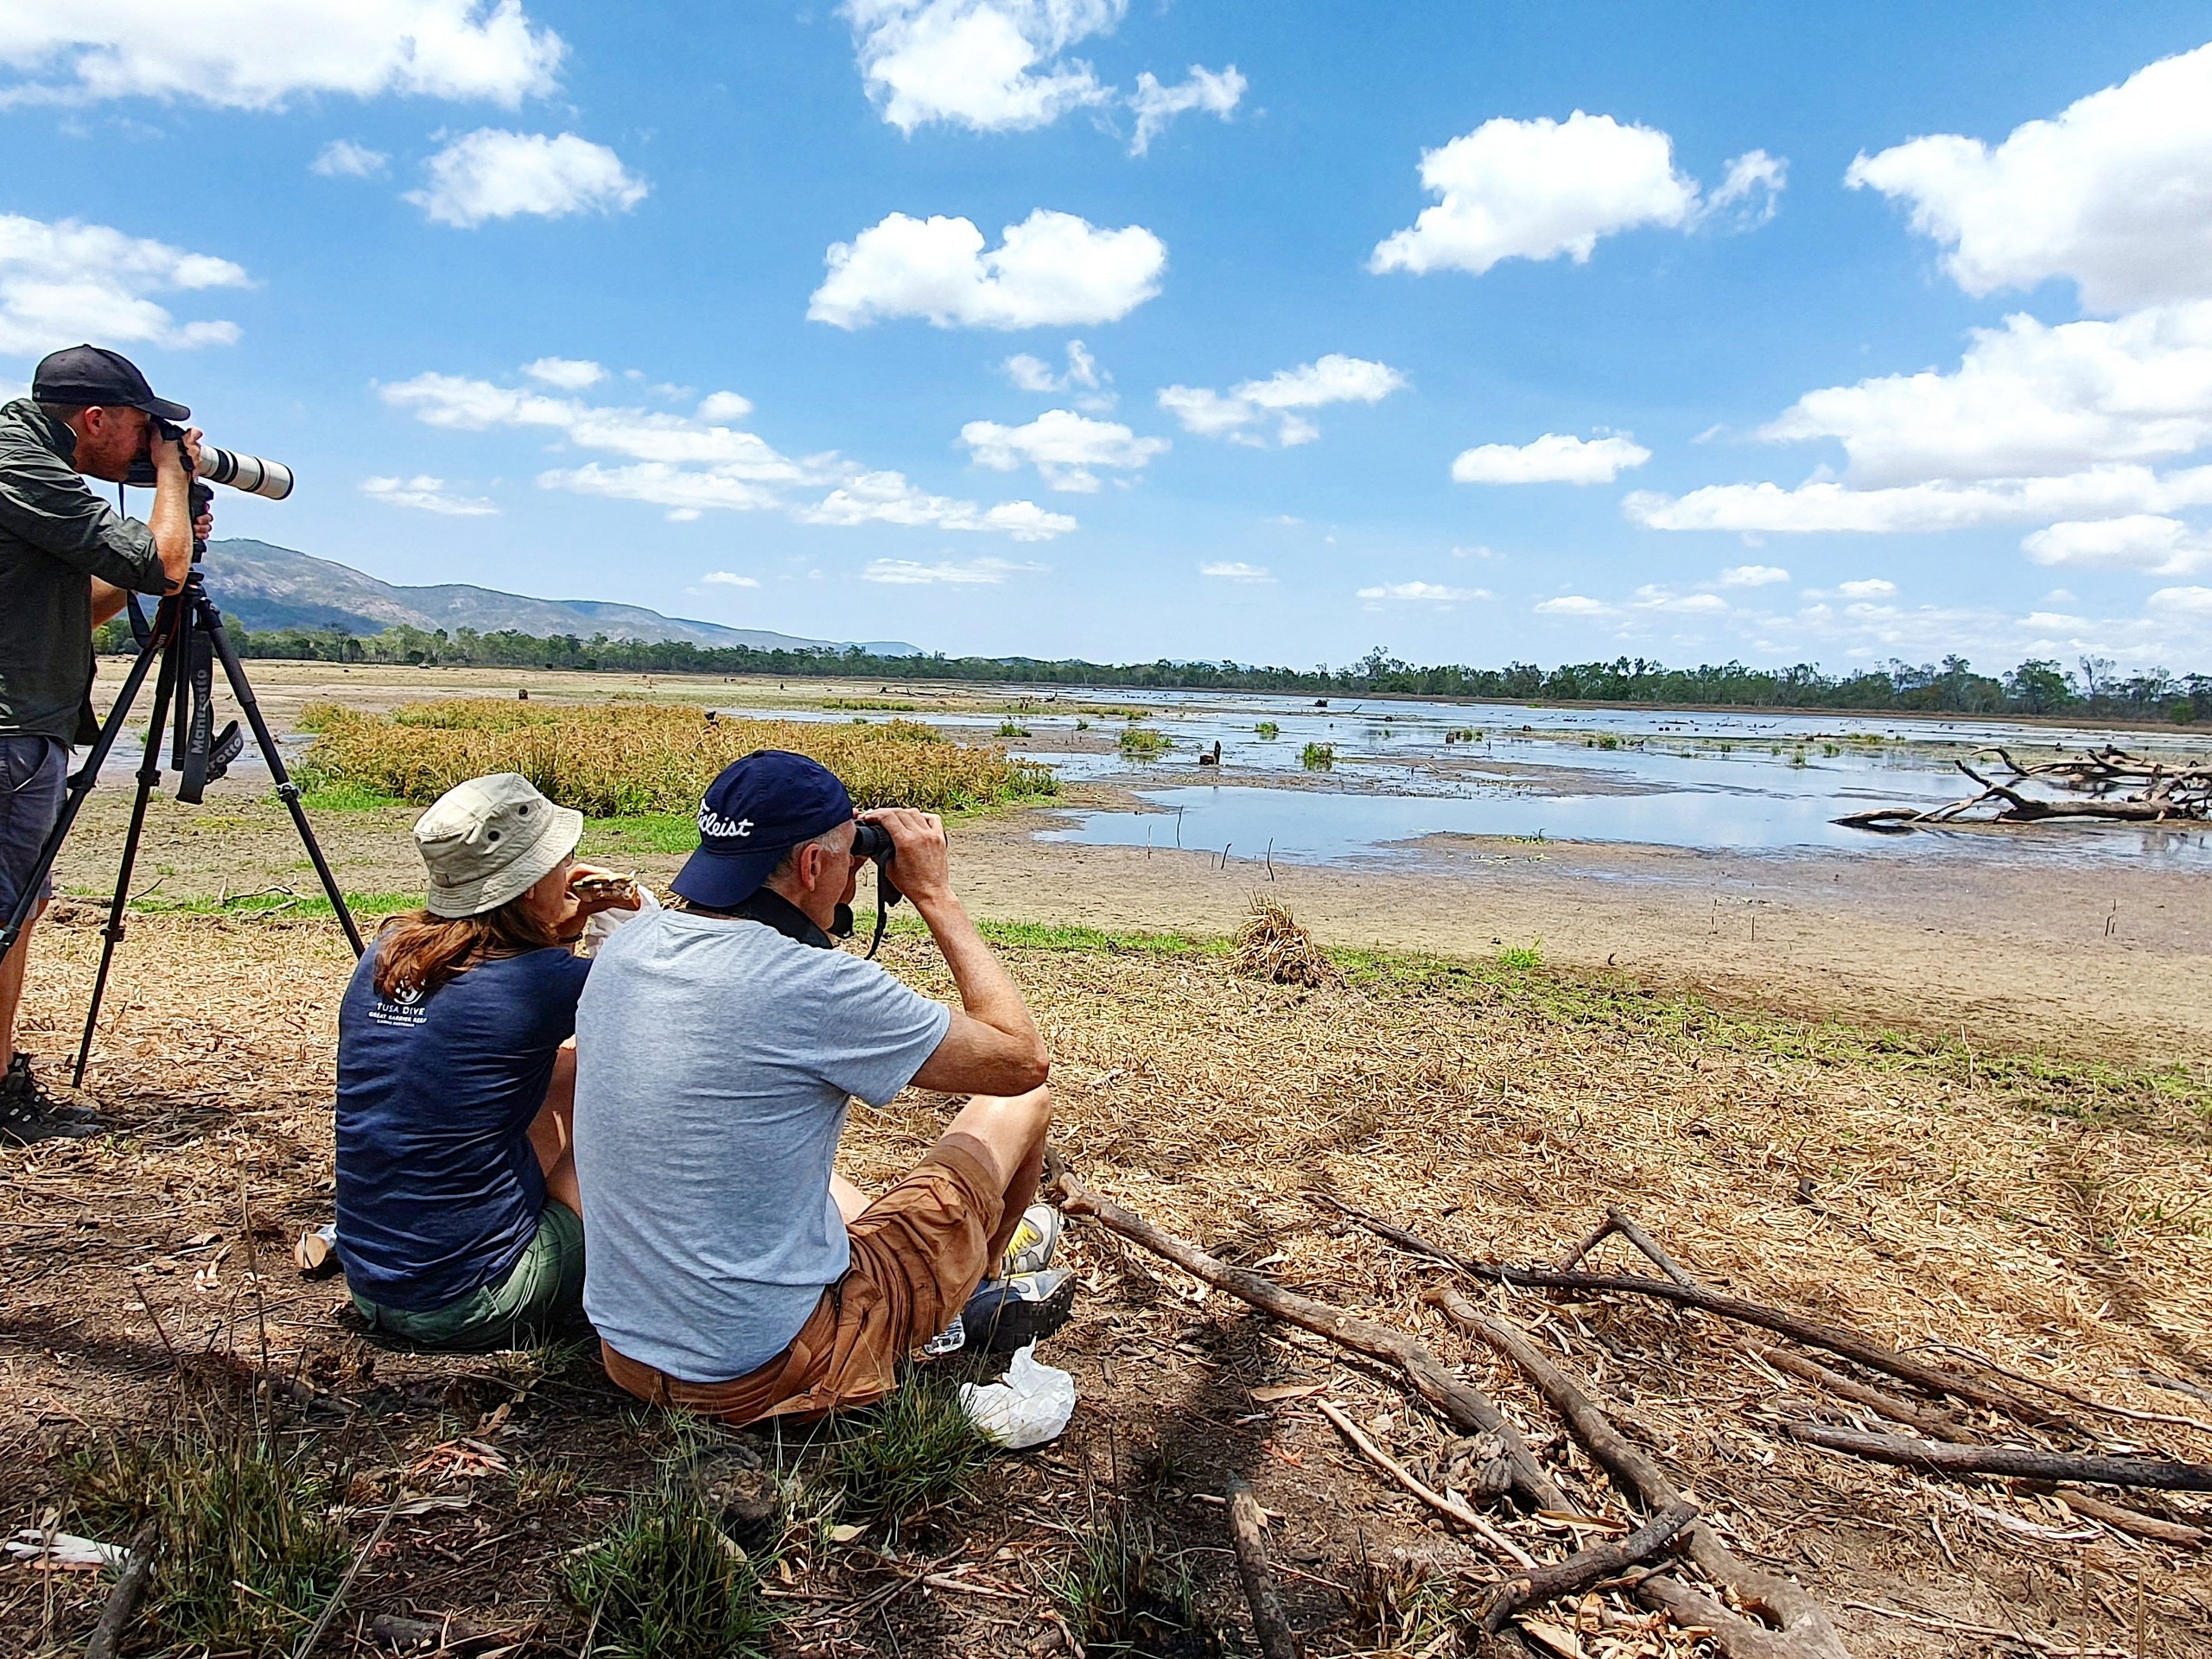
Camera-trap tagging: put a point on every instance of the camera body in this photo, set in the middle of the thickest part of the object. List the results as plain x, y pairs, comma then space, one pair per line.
271, 478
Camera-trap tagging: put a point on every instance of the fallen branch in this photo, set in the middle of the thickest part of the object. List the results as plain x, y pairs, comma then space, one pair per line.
1624, 1224
1951, 1457
1814, 1333
123, 1600
1468, 1409
1579, 1571
1453, 1509
1269, 1622
1890, 1406
338, 1596
2157, 1528
1804, 1631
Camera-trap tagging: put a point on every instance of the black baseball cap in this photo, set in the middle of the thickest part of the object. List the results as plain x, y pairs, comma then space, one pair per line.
755, 811
83, 375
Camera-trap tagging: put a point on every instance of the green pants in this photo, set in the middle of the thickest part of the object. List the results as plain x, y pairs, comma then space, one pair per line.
538, 1297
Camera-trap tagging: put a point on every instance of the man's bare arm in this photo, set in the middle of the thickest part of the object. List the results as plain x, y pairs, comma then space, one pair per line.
107, 601
993, 1047
171, 518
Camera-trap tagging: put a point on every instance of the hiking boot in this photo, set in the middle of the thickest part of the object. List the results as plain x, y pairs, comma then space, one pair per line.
1030, 1250
67, 1104
1006, 1314
28, 1114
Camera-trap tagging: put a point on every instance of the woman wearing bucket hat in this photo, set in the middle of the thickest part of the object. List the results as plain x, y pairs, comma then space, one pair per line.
458, 1217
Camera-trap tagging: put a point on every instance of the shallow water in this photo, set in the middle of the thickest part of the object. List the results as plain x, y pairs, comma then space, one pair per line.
1739, 781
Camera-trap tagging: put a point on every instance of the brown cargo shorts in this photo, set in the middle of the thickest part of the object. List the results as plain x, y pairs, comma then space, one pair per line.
918, 1254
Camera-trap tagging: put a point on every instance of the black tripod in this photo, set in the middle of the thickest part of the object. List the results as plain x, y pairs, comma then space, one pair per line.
186, 639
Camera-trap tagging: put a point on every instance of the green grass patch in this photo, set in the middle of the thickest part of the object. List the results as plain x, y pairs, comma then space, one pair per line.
1318, 757
310, 903
1523, 957
1267, 729
321, 794
1142, 743
915, 1451
1124, 1596
639, 832
248, 1551
667, 1583
1048, 936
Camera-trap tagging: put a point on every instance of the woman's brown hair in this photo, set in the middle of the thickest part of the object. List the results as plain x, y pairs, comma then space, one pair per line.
418, 953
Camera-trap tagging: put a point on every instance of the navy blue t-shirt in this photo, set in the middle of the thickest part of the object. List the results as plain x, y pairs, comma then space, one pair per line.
438, 1186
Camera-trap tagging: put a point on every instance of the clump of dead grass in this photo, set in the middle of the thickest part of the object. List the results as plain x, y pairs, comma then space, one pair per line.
616, 760
1272, 946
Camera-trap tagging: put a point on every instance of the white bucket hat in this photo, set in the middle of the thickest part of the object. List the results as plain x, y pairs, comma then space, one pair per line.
490, 839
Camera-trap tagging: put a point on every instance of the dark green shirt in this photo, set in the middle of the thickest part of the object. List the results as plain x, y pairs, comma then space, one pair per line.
55, 535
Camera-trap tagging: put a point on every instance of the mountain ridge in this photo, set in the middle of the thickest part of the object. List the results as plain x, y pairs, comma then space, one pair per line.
262, 586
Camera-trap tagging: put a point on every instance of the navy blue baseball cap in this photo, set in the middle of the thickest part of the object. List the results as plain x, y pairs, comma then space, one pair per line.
757, 811
84, 376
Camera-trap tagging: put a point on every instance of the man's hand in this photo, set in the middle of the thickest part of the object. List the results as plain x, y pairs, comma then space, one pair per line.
592, 889
166, 452
921, 860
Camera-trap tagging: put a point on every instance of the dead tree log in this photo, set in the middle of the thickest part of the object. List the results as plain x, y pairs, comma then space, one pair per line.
1655, 1538
1800, 1628
2155, 1527
1470, 1410
1262, 1594
1893, 1407
1952, 1457
1816, 1333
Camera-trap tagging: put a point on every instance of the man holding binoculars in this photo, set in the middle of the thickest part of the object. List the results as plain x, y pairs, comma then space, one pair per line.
719, 1045
66, 559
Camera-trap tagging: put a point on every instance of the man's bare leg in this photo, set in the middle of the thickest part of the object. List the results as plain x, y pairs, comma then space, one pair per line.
552, 1134
1006, 1134
11, 989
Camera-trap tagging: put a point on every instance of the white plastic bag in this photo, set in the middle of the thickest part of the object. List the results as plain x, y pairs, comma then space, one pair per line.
602, 923
1030, 1407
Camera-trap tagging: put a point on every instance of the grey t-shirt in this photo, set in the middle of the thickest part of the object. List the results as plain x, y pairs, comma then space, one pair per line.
714, 1063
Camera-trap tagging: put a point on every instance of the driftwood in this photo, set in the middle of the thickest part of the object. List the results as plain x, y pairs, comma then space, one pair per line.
1261, 1595
1804, 1629
123, 1600
1470, 1410
2160, 793
1816, 1333
1952, 1457
1655, 1538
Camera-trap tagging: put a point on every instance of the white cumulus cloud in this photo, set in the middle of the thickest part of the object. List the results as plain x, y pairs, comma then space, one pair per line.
1244, 414
728, 579
425, 495
1753, 575
70, 281
694, 464
1537, 189
2154, 544
258, 53
493, 173
991, 65
912, 573
1574, 605
1052, 270
1063, 446
2115, 193
719, 406
1235, 570
1555, 458
1214, 92
1866, 588
342, 158
1423, 593
569, 373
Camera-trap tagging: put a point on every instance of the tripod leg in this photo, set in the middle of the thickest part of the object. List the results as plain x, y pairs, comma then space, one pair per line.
211, 623
150, 774
82, 784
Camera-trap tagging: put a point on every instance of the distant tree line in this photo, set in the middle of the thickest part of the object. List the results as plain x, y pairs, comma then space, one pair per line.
2035, 687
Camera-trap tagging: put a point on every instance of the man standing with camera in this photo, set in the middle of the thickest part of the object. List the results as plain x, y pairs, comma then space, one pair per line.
719, 1046
66, 559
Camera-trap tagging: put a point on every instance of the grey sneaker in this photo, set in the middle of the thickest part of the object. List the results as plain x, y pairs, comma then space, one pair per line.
1030, 1250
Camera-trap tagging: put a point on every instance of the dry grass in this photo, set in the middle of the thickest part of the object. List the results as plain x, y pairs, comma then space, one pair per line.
1272, 946
616, 760
2050, 1216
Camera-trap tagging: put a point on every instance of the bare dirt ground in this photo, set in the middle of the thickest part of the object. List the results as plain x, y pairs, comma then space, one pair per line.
1797, 1118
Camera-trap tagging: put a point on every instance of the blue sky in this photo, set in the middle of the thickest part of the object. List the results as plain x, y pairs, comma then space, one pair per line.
1477, 332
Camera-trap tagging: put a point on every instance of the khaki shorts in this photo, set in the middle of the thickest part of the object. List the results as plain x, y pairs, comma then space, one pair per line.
918, 1254
534, 1301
